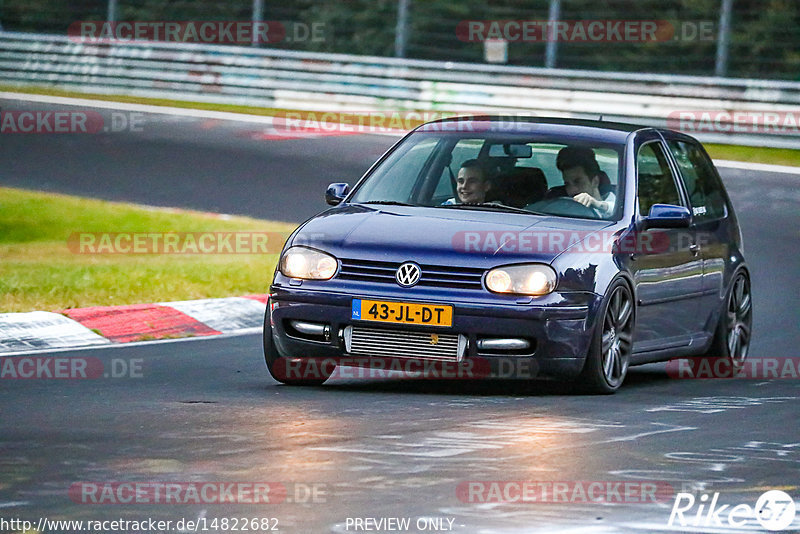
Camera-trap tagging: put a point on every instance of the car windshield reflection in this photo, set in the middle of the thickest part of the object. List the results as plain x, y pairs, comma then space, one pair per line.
516, 173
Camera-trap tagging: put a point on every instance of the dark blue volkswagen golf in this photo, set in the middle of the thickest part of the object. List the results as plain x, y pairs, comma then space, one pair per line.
569, 249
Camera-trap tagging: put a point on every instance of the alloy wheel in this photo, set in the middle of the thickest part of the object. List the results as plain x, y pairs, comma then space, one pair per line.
617, 336
739, 321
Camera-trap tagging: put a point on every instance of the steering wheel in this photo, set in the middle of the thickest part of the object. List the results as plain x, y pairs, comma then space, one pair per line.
565, 206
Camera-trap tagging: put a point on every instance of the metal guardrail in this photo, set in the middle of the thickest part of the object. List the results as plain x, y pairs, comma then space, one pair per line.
338, 82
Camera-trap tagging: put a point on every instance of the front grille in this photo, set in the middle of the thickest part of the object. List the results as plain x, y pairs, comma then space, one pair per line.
432, 275
400, 344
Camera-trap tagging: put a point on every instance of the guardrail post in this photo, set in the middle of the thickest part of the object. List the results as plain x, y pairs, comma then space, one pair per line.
401, 31
258, 16
723, 38
552, 44
112, 11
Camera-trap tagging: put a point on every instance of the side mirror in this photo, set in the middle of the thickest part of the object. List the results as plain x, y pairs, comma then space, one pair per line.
336, 193
668, 216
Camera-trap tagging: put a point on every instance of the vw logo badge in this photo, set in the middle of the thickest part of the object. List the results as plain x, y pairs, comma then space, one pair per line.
408, 274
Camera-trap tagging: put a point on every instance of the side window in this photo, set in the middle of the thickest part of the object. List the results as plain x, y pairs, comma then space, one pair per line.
656, 183
404, 168
702, 184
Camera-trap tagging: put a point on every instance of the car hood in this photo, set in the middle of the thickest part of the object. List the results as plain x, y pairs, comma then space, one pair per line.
439, 235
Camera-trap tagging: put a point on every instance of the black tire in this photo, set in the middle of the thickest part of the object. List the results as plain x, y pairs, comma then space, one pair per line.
609, 353
735, 325
273, 360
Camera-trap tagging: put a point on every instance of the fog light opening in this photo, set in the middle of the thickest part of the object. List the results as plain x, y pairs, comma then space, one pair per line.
512, 346
308, 330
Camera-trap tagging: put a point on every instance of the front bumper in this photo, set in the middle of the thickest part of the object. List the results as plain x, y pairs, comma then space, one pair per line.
559, 327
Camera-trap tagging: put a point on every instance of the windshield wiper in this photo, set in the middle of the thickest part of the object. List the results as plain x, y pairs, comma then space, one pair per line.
385, 203
491, 206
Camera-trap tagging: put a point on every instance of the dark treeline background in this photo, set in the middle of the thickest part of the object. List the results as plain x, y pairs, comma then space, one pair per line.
764, 39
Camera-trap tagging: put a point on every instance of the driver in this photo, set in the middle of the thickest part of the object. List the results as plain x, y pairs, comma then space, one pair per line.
581, 173
472, 183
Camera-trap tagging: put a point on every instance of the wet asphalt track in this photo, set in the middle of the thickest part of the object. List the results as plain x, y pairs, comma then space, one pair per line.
205, 409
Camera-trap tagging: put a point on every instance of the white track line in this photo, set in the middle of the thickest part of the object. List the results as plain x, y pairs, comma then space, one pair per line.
149, 343
143, 108
173, 111
761, 167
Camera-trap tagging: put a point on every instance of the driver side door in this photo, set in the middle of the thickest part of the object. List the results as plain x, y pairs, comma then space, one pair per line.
667, 270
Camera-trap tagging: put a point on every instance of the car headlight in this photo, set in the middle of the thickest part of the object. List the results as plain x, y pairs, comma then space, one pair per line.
533, 279
308, 264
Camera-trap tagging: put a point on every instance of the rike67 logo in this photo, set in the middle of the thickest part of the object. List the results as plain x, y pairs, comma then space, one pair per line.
774, 510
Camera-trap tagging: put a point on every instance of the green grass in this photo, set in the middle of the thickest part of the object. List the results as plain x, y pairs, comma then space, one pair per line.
232, 108
38, 270
775, 156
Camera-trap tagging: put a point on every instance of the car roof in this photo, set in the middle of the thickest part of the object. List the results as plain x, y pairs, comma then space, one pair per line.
606, 130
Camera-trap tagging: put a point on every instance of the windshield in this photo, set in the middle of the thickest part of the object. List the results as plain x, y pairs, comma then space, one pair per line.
497, 171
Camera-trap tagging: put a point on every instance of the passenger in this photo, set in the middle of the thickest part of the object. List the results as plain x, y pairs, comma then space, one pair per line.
472, 183
581, 173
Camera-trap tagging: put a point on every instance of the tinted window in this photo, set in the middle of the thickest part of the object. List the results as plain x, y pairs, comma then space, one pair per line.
656, 183
702, 184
